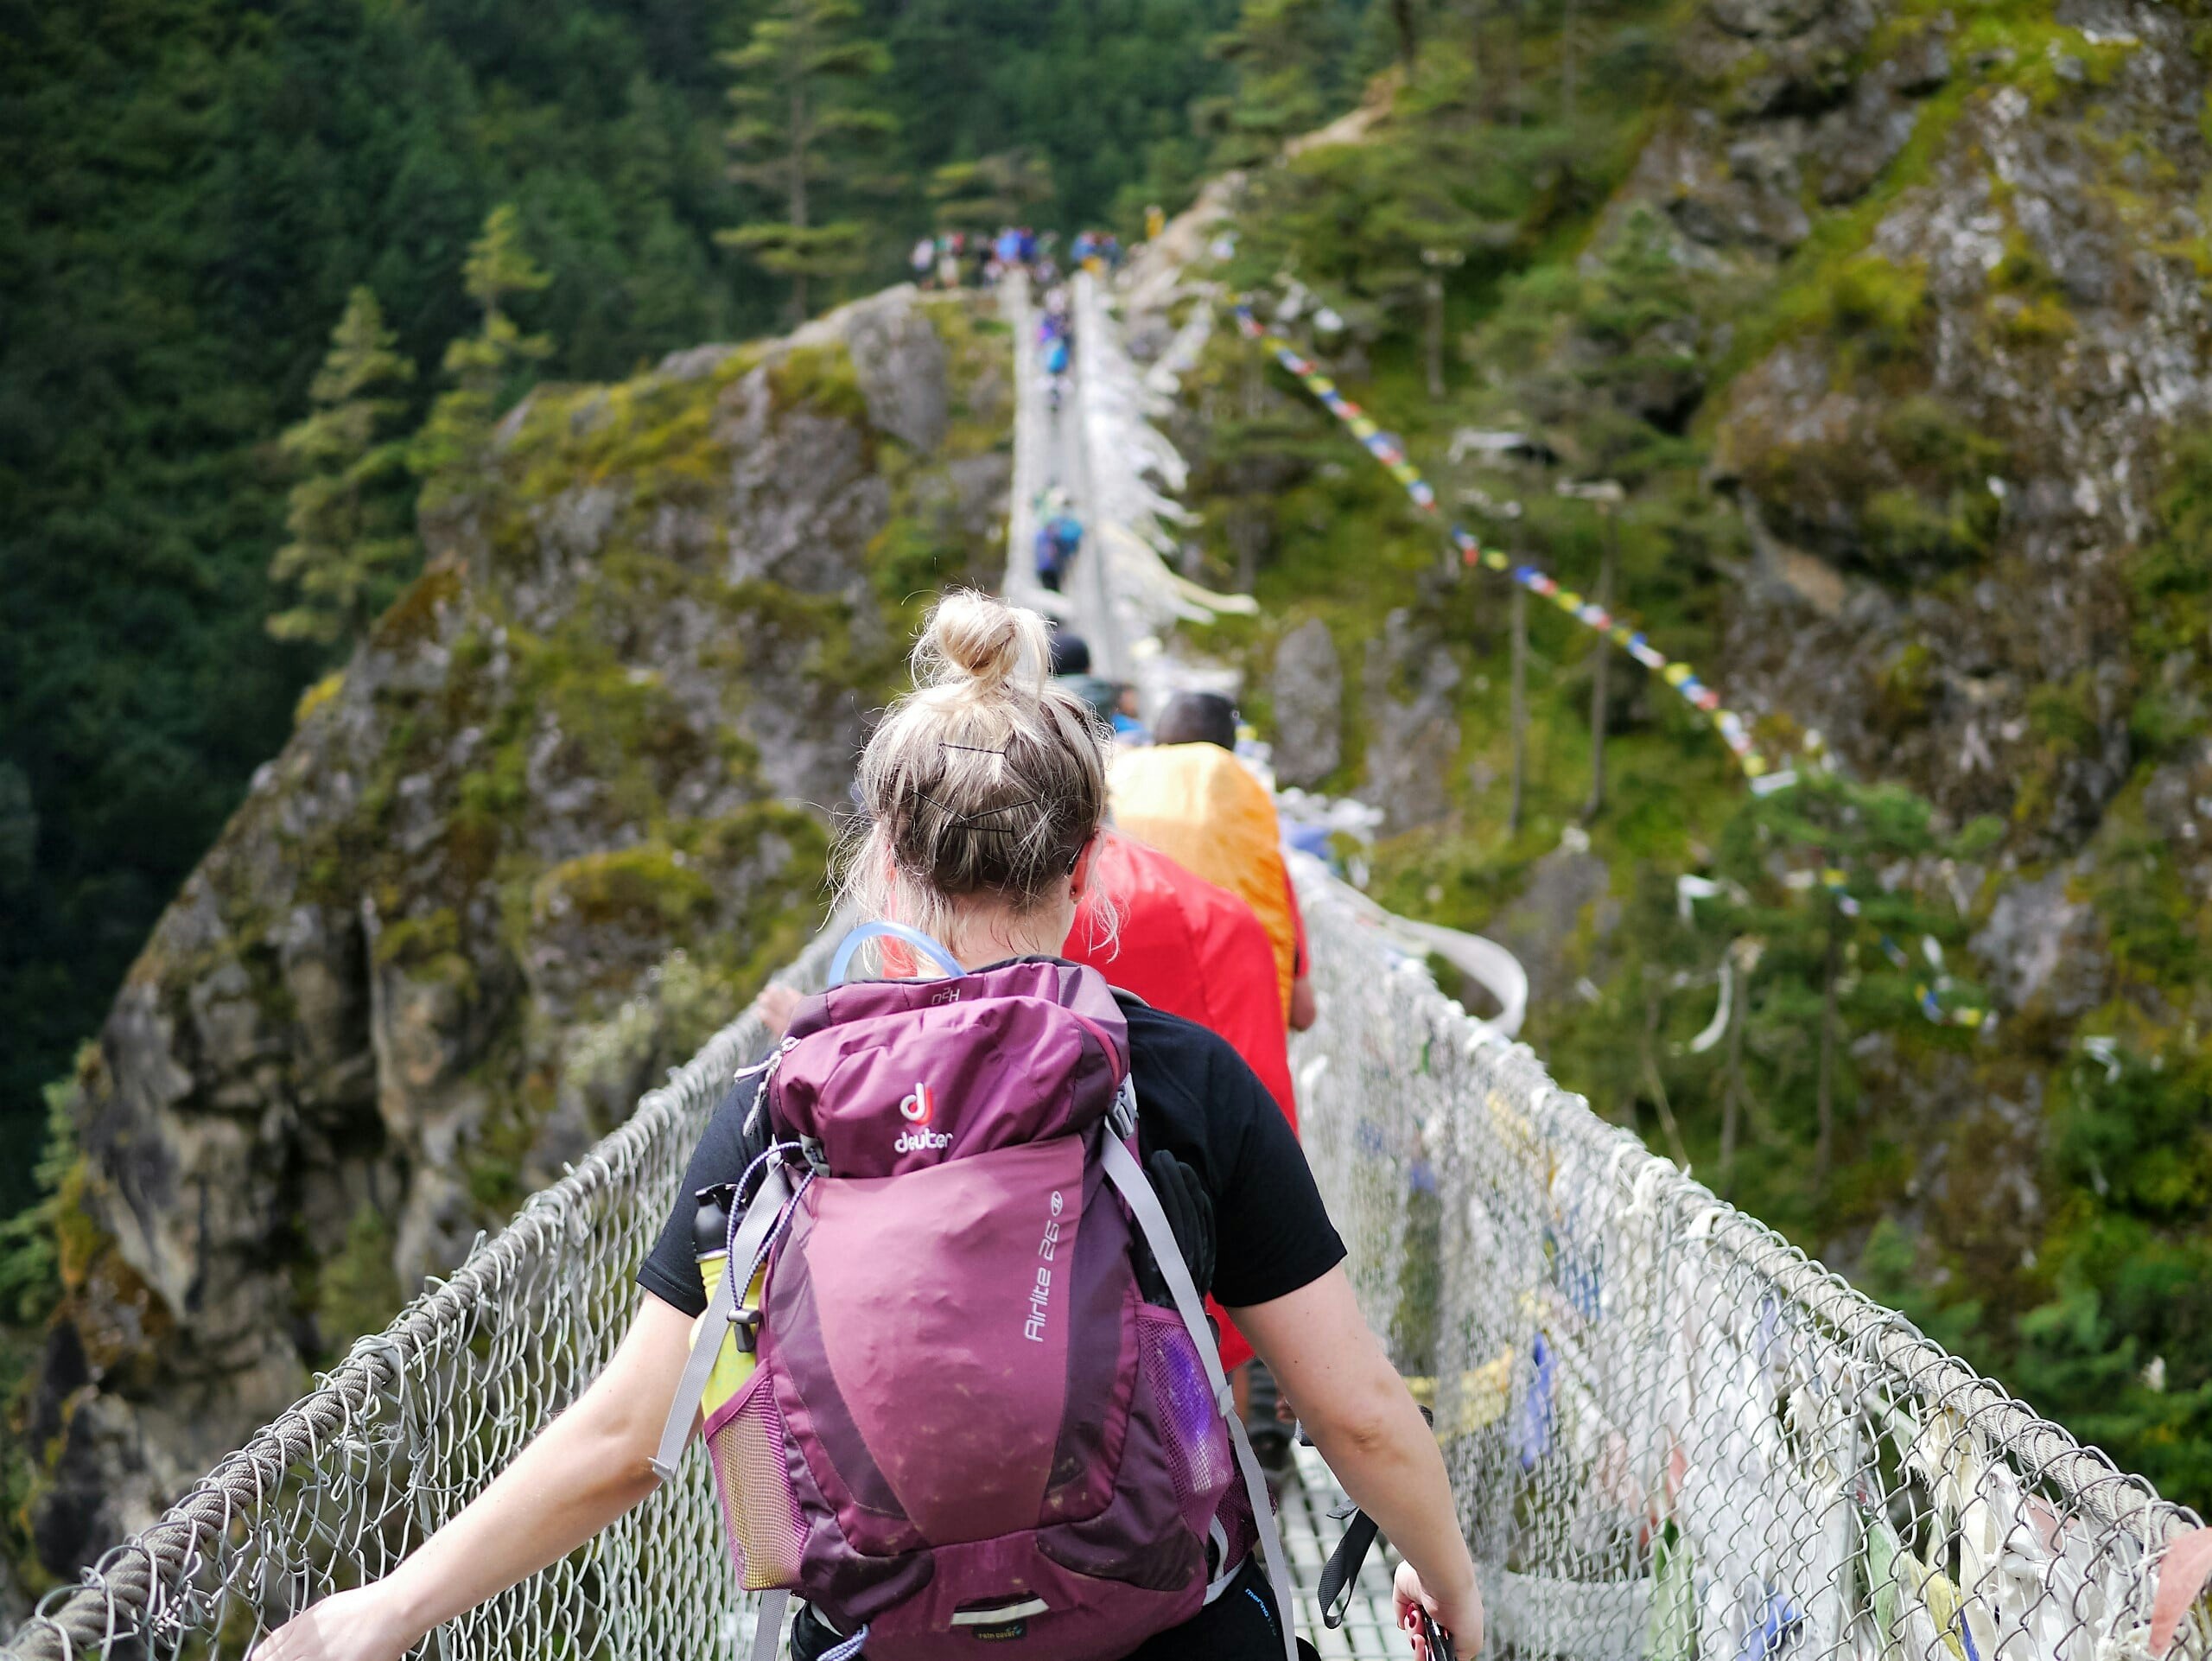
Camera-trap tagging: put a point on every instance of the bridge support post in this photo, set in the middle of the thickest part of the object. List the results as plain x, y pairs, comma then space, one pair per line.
1520, 715
1602, 657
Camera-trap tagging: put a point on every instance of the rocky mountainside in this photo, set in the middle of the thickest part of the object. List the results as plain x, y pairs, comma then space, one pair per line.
1891, 318
1944, 478
552, 825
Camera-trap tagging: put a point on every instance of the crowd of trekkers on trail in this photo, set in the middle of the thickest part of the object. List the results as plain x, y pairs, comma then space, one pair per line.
953, 1278
962, 259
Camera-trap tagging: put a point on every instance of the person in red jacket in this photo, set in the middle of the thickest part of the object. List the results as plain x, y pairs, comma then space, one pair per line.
1196, 950
1191, 948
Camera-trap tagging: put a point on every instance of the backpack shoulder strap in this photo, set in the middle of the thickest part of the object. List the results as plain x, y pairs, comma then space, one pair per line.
1128, 1176
722, 1311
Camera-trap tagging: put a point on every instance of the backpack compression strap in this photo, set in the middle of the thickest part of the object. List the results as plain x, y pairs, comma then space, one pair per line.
768, 1624
1129, 1178
769, 1201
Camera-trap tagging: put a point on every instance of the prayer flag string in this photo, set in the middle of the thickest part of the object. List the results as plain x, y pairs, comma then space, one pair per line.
1389, 451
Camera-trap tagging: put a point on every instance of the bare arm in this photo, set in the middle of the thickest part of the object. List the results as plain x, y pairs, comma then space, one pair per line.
583, 1471
1302, 1012
1362, 1419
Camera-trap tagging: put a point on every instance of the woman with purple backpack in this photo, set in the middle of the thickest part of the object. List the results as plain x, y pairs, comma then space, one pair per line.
958, 1389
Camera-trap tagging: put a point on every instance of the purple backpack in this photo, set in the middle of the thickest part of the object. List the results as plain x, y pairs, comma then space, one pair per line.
967, 1434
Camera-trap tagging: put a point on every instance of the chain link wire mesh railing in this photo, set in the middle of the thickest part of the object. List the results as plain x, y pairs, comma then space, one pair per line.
417, 1419
1671, 1436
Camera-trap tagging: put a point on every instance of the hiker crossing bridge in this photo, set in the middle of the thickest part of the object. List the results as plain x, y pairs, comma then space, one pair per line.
1097, 445
1670, 1434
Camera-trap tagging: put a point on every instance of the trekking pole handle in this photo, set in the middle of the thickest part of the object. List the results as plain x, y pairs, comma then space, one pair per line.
879, 931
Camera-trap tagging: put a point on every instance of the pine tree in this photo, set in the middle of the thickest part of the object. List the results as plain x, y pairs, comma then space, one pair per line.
1405, 28
1823, 876
991, 191
18, 828
805, 131
1435, 214
1282, 52
449, 451
1381, 226
351, 540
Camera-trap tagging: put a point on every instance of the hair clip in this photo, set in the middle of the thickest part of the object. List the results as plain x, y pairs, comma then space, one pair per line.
972, 749
967, 821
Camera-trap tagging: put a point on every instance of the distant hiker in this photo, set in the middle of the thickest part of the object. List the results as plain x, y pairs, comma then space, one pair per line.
1128, 722
1190, 797
1156, 221
1067, 652
929, 1479
924, 260
1187, 795
1057, 538
1067, 531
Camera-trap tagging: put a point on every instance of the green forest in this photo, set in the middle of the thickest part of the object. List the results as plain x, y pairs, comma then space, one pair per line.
189, 192
272, 273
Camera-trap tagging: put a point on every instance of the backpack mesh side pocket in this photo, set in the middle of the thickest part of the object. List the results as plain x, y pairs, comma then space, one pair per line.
760, 1515
1198, 1455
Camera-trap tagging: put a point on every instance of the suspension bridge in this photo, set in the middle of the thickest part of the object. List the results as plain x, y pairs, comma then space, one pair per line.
1671, 1436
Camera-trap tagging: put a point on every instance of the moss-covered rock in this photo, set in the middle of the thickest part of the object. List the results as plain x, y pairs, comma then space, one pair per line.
559, 816
1965, 386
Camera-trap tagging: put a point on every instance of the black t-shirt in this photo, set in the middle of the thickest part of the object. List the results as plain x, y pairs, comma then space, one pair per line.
1195, 1097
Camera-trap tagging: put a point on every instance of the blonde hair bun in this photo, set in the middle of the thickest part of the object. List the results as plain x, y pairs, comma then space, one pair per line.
986, 779
973, 639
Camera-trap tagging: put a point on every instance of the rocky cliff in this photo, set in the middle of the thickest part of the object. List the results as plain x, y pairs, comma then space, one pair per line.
1944, 473
558, 817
